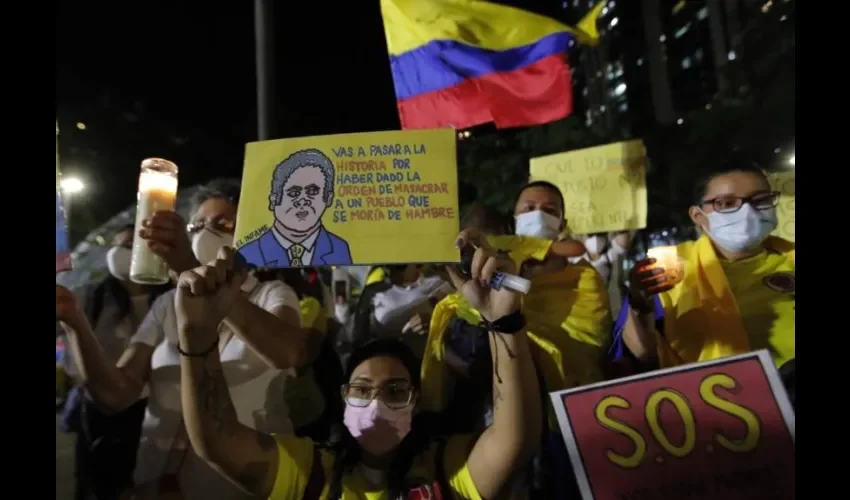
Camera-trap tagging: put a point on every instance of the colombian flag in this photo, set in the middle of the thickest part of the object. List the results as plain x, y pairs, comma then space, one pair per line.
460, 63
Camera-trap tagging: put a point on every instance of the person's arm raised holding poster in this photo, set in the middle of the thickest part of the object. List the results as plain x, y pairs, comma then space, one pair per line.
302, 189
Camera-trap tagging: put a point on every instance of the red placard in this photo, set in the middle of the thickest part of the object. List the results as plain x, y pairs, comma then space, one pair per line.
722, 429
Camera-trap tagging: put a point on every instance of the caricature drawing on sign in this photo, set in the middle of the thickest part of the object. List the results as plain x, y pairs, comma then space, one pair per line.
302, 188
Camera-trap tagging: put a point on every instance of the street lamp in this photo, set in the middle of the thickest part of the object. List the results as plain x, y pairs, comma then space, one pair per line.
71, 185
791, 160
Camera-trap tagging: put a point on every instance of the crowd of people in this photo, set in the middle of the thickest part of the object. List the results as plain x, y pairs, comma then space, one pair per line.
235, 383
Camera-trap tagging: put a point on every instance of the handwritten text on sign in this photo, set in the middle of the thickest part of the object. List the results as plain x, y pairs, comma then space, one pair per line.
785, 183
371, 198
604, 187
714, 430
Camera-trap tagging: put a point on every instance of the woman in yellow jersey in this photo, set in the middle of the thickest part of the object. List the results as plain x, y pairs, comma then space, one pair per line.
737, 290
385, 453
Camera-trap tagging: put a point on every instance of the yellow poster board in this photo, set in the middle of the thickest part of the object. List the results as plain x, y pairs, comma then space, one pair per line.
785, 183
604, 187
350, 199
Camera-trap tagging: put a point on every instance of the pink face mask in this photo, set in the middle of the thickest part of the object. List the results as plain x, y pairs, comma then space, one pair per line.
376, 427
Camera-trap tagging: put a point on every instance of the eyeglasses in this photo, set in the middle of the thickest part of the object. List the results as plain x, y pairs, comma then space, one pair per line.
220, 225
730, 204
395, 396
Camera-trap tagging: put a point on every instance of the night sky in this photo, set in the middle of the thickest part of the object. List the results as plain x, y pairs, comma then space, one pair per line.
176, 79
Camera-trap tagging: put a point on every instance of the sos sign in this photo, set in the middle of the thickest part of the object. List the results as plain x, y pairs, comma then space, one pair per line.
722, 429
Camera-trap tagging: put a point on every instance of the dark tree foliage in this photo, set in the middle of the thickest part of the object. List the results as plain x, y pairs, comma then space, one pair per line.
496, 162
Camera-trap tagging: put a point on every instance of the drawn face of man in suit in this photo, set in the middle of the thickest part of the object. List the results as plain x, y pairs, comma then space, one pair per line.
303, 202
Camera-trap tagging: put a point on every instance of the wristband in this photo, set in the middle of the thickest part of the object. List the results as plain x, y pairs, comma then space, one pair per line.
202, 354
509, 325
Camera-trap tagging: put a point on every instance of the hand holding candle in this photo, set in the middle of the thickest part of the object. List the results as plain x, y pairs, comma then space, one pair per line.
667, 258
157, 192
659, 272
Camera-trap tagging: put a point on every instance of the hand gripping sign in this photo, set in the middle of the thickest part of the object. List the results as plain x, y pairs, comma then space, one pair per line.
721, 429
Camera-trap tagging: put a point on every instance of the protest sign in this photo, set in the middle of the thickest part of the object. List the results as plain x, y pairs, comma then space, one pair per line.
721, 429
604, 187
350, 199
63, 251
785, 183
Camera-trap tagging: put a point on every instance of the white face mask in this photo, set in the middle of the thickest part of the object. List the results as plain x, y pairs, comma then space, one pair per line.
538, 224
595, 244
118, 262
743, 230
206, 244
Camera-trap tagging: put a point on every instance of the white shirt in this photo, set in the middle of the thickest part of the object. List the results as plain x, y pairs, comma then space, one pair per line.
255, 388
309, 245
401, 302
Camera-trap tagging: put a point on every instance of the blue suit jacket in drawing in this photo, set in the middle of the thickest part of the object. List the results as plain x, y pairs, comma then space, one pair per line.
266, 251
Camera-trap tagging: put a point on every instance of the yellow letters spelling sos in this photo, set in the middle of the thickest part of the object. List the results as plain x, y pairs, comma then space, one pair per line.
652, 409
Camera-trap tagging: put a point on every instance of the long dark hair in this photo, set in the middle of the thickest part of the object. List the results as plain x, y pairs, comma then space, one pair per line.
113, 288
422, 432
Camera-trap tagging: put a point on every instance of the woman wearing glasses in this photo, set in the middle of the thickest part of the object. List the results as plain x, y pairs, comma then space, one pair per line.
735, 290
259, 338
386, 450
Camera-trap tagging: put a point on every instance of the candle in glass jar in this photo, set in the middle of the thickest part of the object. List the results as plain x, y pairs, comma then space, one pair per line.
157, 191
668, 259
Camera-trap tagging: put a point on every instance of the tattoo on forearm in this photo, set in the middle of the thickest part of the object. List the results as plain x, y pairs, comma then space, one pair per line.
215, 400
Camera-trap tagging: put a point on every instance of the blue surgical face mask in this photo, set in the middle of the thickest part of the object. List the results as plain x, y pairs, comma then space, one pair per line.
538, 224
743, 230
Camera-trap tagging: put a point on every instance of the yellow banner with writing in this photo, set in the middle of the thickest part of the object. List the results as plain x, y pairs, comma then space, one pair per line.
785, 183
350, 199
604, 187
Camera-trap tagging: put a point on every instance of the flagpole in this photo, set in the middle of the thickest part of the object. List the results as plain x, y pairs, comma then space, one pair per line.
264, 55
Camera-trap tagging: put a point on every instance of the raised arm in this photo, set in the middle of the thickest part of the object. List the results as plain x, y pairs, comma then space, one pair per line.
114, 387
507, 444
646, 279
246, 457
275, 334
205, 295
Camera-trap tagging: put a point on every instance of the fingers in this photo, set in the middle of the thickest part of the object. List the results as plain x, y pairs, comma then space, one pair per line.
471, 237
479, 258
487, 262
162, 228
209, 278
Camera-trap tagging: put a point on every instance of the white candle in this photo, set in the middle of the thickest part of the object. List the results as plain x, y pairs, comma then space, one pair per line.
157, 191
667, 258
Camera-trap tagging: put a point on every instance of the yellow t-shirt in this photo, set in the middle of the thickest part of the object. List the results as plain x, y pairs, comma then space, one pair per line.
376, 275
568, 321
295, 461
521, 248
764, 291
722, 308
312, 314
